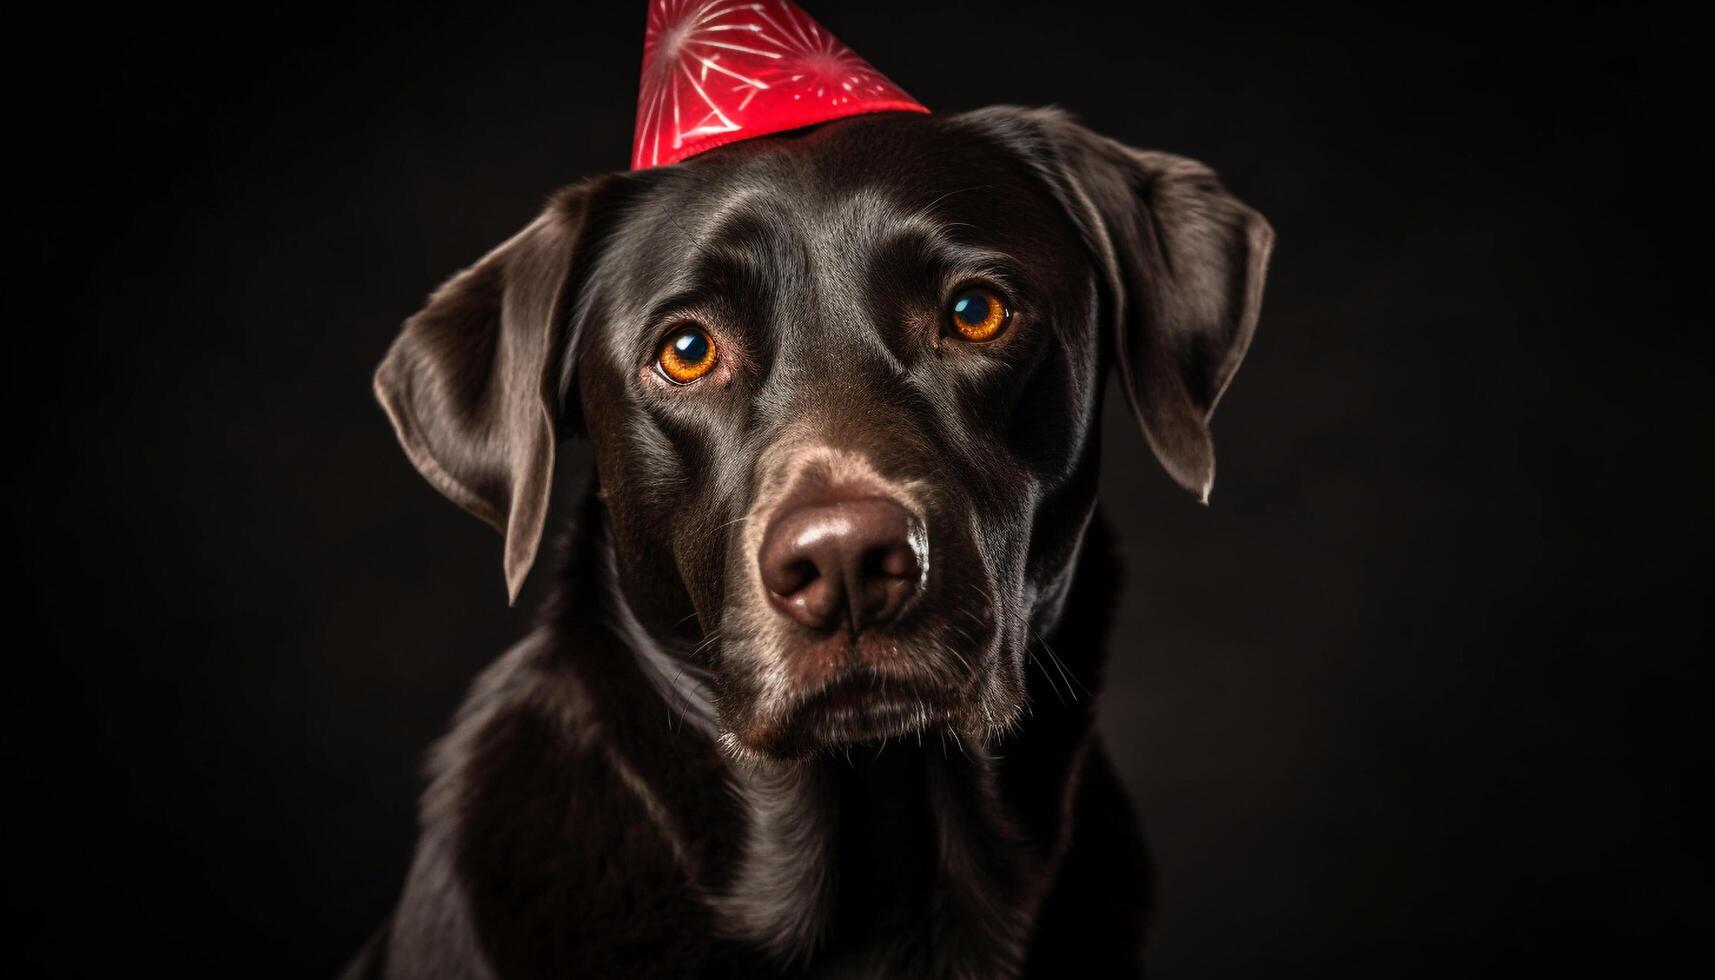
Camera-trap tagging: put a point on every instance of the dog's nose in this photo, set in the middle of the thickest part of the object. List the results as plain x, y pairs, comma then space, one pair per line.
851, 561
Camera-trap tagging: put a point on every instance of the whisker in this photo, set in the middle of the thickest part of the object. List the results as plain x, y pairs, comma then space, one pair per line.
1045, 674
1066, 675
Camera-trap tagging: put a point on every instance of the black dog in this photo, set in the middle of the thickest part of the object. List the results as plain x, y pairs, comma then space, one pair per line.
842, 387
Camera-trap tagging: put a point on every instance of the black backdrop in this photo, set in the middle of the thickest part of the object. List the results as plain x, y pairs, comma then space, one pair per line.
1411, 696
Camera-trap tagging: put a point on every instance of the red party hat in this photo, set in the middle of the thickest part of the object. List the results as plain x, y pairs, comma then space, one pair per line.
719, 71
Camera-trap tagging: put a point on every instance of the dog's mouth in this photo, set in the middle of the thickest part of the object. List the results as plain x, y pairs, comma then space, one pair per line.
860, 705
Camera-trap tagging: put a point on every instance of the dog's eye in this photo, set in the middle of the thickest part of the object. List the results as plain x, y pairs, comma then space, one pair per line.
978, 314
687, 354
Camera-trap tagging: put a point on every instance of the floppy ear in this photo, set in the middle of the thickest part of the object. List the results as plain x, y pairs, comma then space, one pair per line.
1185, 262
472, 382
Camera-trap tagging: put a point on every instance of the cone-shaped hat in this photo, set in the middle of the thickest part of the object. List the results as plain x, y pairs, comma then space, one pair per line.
719, 71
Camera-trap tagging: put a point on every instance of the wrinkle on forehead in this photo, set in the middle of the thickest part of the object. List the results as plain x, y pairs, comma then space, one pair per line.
838, 227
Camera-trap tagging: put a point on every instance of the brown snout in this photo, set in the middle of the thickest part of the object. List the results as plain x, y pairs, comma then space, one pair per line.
852, 562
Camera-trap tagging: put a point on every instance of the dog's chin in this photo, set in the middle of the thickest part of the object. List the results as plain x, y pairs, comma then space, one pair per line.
858, 708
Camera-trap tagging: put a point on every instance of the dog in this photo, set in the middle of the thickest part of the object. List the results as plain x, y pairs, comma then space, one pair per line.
813, 692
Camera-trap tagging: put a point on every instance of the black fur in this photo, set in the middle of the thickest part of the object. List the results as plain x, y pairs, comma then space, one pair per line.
642, 788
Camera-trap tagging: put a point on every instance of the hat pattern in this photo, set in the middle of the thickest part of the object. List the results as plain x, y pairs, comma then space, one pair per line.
717, 71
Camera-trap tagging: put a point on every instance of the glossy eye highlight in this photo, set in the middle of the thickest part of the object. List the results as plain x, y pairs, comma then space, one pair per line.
978, 314
687, 354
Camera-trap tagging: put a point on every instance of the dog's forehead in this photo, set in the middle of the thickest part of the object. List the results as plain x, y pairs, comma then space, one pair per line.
844, 190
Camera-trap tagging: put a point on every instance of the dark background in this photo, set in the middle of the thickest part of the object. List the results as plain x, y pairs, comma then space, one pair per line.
1412, 697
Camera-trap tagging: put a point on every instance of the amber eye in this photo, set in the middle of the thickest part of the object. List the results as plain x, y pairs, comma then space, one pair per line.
978, 314
687, 355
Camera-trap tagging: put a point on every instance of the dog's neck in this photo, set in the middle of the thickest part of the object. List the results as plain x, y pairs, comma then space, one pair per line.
906, 862
683, 685
924, 858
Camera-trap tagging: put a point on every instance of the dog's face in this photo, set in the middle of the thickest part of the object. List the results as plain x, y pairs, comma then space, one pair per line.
842, 389
865, 475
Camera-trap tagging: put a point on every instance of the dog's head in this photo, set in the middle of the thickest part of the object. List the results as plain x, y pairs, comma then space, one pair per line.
842, 388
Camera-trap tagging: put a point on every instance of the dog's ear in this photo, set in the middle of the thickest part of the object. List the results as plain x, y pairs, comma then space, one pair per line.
1185, 262
472, 383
